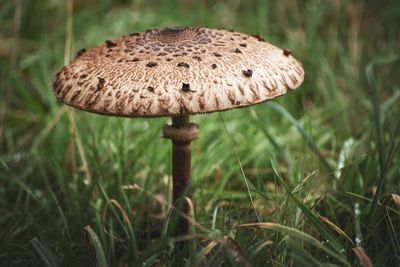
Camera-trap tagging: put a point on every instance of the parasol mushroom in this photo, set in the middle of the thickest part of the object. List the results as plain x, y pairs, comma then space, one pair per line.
177, 72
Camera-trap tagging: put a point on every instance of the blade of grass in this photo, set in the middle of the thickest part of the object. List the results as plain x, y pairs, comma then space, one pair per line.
129, 231
44, 253
300, 253
373, 90
322, 228
256, 118
382, 178
303, 133
365, 261
241, 168
300, 235
395, 198
98, 248
369, 200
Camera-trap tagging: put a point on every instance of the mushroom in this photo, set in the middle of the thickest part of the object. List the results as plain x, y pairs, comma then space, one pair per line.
177, 72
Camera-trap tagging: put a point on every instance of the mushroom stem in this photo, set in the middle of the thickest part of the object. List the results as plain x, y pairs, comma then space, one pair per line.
181, 162
180, 121
181, 133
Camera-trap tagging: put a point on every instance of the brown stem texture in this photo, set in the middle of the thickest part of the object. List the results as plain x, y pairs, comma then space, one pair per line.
181, 133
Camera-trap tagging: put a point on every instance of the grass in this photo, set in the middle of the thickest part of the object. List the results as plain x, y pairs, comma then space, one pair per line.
310, 179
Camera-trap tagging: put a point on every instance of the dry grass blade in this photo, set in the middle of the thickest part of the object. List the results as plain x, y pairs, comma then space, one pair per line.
81, 150
365, 261
297, 234
230, 246
191, 207
46, 131
325, 232
67, 56
260, 247
121, 210
335, 228
393, 226
395, 198
207, 249
14, 49
198, 226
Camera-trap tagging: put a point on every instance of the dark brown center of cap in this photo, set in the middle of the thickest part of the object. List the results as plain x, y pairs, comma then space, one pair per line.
173, 30
174, 35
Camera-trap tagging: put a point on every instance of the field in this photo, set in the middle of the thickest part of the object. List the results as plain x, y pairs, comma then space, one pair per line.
309, 179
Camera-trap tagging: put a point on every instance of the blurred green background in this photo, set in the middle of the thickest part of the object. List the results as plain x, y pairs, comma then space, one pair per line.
322, 163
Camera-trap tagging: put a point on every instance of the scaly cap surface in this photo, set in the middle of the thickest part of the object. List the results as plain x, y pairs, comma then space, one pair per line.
170, 71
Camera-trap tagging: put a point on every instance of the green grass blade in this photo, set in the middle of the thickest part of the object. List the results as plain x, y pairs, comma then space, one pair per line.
322, 228
256, 117
292, 232
373, 89
44, 253
98, 248
302, 256
124, 223
241, 169
303, 133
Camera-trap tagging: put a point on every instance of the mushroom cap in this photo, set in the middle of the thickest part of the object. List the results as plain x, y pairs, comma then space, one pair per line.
173, 71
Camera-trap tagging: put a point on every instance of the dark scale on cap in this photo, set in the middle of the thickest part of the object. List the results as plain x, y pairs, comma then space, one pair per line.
83, 76
135, 59
75, 95
110, 44
197, 58
134, 34
243, 45
183, 64
247, 73
81, 52
150, 89
214, 66
237, 50
185, 87
100, 84
287, 52
217, 54
258, 37
151, 64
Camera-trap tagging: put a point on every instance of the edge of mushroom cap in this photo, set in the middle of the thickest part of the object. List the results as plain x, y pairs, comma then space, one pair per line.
109, 114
